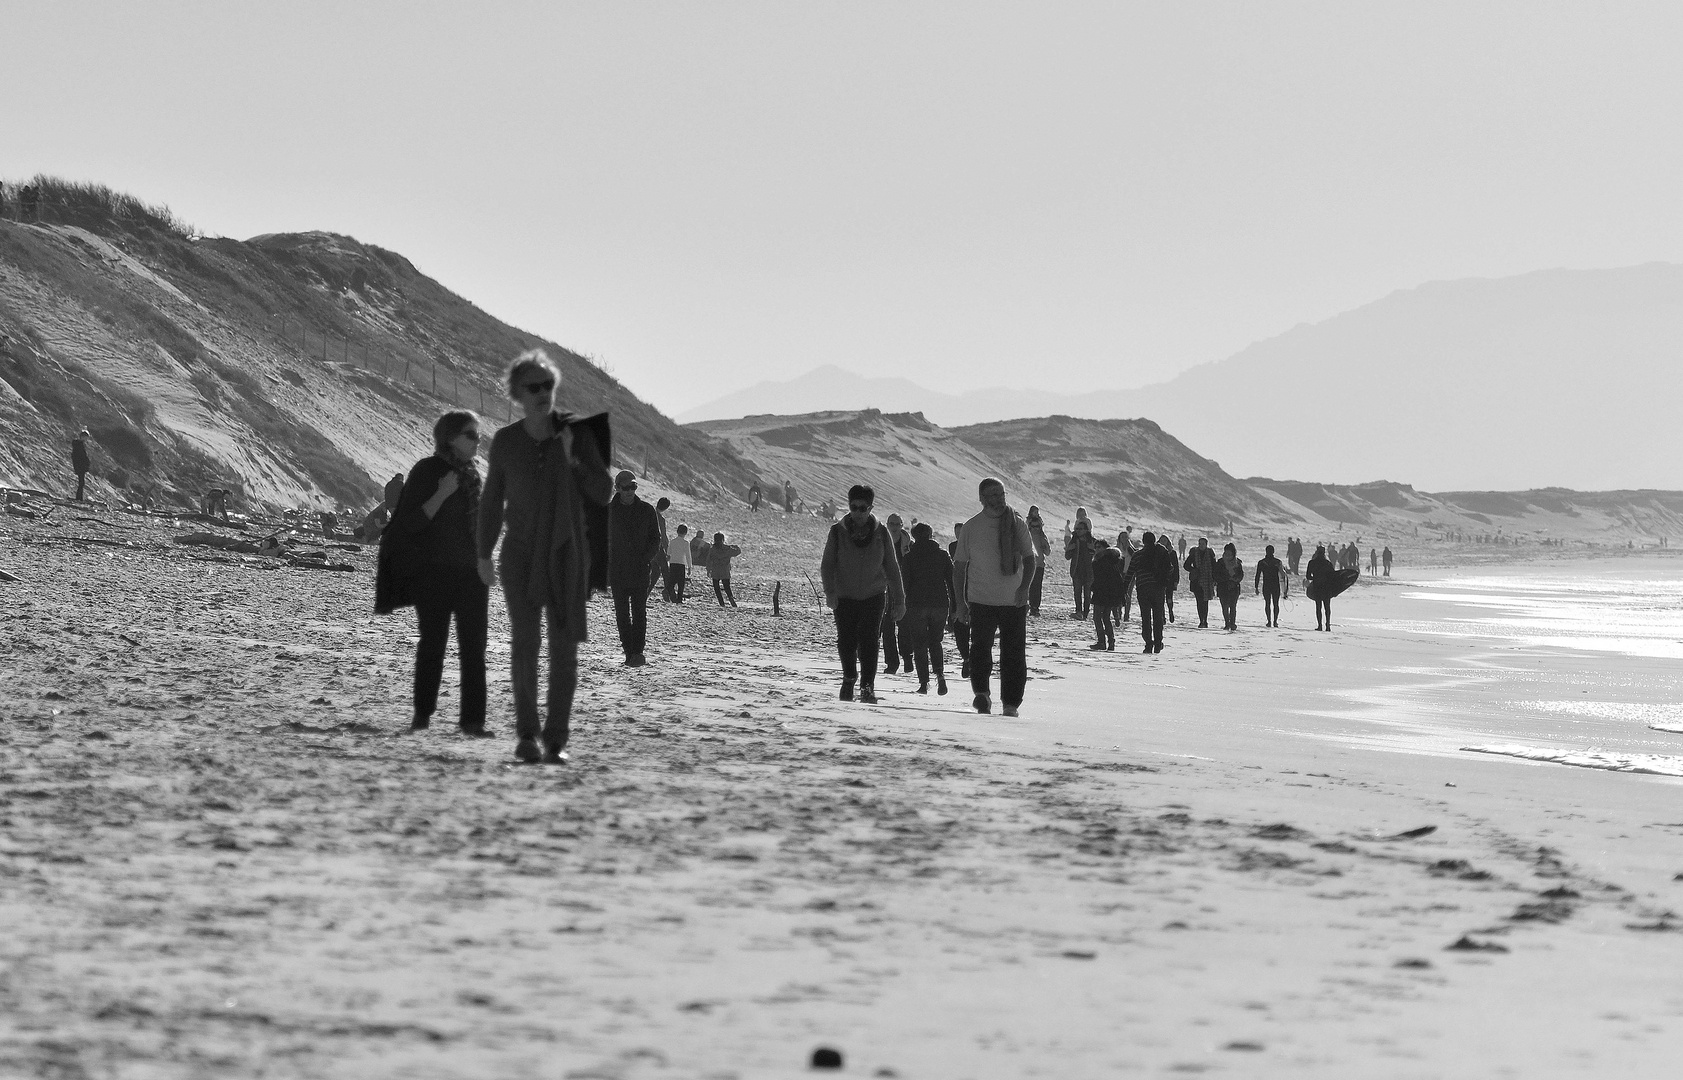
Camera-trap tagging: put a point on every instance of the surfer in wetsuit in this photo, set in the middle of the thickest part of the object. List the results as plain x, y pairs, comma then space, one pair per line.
1270, 577
1319, 570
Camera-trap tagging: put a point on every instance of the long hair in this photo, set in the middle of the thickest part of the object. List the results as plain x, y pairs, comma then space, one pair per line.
450, 425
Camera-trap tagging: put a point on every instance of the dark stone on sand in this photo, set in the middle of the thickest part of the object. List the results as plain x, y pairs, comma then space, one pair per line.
1412, 962
1467, 944
95, 735
1243, 1045
826, 1058
1078, 954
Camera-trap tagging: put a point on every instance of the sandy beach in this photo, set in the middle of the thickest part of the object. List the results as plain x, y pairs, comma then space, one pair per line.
1264, 853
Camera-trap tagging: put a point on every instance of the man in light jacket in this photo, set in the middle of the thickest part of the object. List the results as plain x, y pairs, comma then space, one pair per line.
993, 568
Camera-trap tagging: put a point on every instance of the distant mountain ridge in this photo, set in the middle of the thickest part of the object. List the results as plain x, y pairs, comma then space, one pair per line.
1557, 377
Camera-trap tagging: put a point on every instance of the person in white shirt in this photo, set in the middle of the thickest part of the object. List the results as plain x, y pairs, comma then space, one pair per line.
677, 564
993, 567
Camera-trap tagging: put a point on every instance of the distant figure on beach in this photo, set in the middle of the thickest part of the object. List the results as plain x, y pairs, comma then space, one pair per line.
992, 570
393, 492
373, 524
719, 556
1270, 579
80, 462
1042, 549
754, 496
961, 631
215, 504
1169, 584
657, 572
788, 497
1294, 555
633, 548
1155, 568
1125, 548
1320, 568
861, 579
1200, 578
429, 554
1385, 558
1079, 550
1373, 560
329, 523
1230, 585
700, 547
1180, 547
896, 652
1106, 595
546, 469
927, 571
679, 559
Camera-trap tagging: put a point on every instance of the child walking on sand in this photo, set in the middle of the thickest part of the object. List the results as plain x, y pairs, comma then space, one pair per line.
718, 567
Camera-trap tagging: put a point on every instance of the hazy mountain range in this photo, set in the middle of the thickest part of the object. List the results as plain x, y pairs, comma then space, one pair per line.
1555, 378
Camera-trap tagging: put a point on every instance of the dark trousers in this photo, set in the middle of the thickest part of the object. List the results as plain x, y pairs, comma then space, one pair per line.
526, 625
1271, 606
1083, 597
1168, 602
858, 630
896, 646
1104, 624
1151, 616
81, 485
721, 590
1320, 606
657, 571
922, 630
446, 592
1035, 587
676, 573
1011, 624
1202, 599
631, 613
961, 643
1229, 607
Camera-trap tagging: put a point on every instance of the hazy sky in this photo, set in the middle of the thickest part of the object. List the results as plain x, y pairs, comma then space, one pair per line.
705, 195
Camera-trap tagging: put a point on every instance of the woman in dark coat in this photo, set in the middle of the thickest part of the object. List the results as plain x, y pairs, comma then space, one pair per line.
1229, 585
547, 480
1079, 550
430, 541
1109, 585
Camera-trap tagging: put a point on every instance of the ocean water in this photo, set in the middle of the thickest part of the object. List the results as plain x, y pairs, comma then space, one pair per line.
1573, 663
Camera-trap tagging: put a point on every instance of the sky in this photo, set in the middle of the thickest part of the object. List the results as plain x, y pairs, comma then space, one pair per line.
701, 196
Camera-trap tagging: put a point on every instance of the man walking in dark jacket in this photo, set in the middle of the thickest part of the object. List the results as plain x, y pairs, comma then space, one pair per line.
1200, 578
927, 572
633, 548
1154, 571
79, 461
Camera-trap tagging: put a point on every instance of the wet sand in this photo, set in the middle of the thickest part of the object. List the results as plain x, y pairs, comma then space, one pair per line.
222, 853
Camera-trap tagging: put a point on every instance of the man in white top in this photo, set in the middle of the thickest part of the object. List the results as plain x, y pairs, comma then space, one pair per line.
677, 564
993, 565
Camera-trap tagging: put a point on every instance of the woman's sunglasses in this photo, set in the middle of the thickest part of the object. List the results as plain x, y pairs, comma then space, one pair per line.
471, 435
540, 387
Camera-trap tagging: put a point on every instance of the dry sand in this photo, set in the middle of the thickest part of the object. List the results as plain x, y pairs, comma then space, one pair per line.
222, 854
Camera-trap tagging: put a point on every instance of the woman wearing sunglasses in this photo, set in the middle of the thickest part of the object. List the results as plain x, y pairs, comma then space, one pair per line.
429, 548
545, 469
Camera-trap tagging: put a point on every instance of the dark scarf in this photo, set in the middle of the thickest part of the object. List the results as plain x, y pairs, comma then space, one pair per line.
467, 478
1011, 553
861, 535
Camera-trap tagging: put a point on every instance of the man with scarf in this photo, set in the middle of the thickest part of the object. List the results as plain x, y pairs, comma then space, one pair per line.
861, 576
993, 569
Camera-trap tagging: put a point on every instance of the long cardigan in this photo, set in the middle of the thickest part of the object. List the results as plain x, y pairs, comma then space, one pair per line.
553, 515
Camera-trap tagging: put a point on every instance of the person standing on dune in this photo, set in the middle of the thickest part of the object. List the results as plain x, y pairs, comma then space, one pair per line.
544, 469
992, 570
861, 579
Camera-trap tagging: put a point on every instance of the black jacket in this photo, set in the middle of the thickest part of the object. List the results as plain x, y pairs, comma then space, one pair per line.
633, 543
927, 571
1155, 569
415, 548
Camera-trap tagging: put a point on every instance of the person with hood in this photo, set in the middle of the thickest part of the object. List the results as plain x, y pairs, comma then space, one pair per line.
1155, 569
1201, 578
1108, 586
428, 558
1230, 585
961, 631
927, 570
547, 471
1079, 550
719, 555
80, 462
1173, 581
1270, 578
1319, 569
861, 579
896, 653
992, 570
1042, 549
633, 547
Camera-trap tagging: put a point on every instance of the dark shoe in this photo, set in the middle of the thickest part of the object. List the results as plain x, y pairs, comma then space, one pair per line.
478, 732
1157, 647
554, 755
1010, 710
923, 687
868, 694
420, 723
527, 750
1097, 646
941, 685
847, 690
1111, 647
983, 703
636, 660
1148, 648
964, 671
